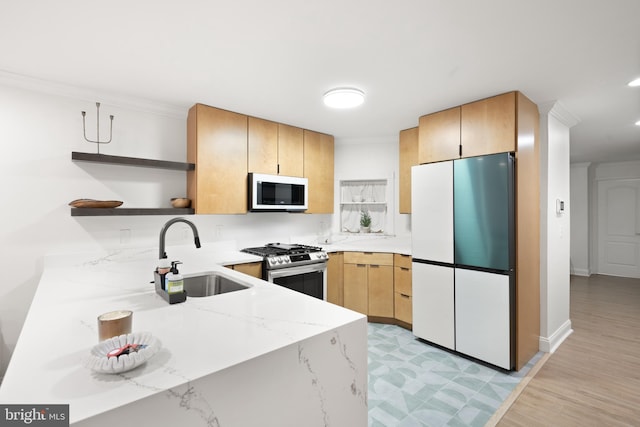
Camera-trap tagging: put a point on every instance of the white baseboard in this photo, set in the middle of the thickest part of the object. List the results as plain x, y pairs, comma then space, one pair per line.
550, 344
581, 272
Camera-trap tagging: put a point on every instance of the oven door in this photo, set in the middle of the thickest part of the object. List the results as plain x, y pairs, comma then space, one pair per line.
308, 279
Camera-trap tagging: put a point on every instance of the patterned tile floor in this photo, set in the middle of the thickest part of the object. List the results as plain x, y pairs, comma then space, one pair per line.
412, 384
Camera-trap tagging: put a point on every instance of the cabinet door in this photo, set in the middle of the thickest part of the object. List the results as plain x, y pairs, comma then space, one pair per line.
402, 280
402, 260
433, 304
318, 169
290, 150
408, 146
439, 136
380, 290
335, 278
253, 269
217, 143
263, 146
402, 307
379, 258
488, 126
356, 294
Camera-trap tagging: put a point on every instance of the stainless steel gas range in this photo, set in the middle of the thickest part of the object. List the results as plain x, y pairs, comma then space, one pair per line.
301, 268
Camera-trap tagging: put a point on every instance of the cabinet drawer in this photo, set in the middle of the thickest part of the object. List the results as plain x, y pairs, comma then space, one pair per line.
400, 260
403, 307
368, 258
402, 280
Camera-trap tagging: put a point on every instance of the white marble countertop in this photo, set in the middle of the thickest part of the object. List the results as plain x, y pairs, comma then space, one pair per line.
369, 243
199, 337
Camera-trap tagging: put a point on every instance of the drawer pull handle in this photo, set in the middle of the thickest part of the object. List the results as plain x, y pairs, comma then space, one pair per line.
368, 253
374, 265
405, 296
404, 269
361, 265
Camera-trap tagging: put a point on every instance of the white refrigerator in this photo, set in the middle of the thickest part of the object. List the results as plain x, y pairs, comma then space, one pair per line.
463, 248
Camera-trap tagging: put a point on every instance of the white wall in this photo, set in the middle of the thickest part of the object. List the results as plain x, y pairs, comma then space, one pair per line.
580, 214
41, 126
373, 158
555, 247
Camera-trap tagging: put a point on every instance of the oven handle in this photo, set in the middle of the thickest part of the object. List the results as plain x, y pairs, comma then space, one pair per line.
293, 271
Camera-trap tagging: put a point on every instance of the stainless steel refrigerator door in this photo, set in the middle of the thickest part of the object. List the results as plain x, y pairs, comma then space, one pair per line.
432, 212
483, 212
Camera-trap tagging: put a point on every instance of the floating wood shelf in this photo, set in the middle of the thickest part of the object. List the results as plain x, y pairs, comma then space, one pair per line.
130, 211
131, 161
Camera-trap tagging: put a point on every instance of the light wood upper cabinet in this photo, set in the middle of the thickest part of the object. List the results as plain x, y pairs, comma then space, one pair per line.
408, 145
217, 144
439, 136
488, 126
275, 148
262, 146
291, 150
318, 169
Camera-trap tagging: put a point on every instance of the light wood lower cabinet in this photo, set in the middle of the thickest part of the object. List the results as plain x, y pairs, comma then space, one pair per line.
253, 269
402, 288
335, 278
368, 283
356, 289
380, 282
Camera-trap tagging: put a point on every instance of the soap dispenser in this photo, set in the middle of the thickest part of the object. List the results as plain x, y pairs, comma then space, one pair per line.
175, 281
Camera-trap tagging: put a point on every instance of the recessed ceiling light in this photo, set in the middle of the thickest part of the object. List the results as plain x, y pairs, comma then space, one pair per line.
635, 82
638, 123
344, 97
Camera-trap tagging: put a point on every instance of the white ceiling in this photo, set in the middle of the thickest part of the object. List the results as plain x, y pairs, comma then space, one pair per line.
275, 59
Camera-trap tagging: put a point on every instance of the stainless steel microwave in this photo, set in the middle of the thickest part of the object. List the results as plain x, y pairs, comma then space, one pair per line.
268, 193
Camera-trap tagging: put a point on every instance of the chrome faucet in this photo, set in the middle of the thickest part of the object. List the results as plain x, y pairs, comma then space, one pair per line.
163, 232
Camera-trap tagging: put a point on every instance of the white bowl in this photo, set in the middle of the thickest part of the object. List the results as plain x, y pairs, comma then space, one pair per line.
99, 361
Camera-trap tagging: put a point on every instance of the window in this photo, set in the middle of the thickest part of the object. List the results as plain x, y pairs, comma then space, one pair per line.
358, 196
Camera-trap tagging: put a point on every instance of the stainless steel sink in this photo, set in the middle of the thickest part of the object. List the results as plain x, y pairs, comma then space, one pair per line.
214, 283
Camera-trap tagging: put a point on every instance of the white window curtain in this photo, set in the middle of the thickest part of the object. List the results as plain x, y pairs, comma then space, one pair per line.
363, 196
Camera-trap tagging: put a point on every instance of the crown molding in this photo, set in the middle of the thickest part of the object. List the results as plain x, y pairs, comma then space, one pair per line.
91, 95
560, 112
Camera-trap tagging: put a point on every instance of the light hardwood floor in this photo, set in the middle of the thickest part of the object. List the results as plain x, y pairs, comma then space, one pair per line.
593, 379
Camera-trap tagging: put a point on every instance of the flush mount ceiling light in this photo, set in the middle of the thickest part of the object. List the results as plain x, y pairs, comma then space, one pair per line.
344, 97
635, 82
638, 123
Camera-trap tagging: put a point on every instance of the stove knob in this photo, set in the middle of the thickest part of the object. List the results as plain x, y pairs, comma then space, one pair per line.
280, 261
287, 259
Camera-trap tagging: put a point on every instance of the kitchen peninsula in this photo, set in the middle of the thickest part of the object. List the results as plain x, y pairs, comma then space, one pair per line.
261, 356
